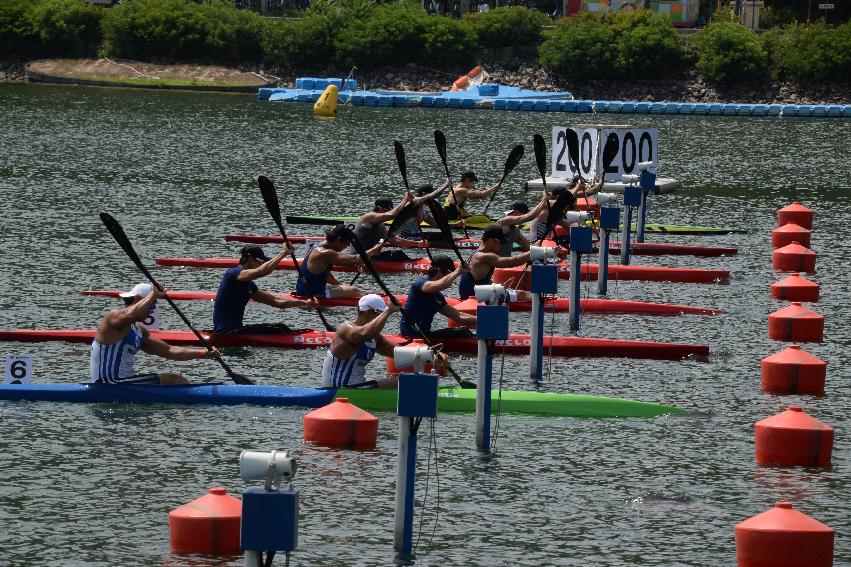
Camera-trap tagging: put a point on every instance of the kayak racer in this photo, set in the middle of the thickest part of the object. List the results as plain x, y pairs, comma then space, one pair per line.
371, 229
577, 188
316, 279
120, 336
518, 214
425, 300
425, 193
463, 192
238, 286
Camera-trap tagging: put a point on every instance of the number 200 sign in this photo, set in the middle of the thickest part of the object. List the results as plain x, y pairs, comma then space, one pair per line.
562, 164
635, 145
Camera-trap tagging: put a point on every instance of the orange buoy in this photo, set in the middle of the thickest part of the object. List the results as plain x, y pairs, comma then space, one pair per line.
209, 524
795, 213
793, 371
341, 424
789, 233
393, 370
796, 323
795, 288
794, 258
783, 537
793, 438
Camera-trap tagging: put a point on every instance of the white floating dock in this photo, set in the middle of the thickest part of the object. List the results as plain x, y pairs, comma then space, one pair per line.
663, 185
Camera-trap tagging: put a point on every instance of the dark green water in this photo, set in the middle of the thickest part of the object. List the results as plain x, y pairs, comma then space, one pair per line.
92, 485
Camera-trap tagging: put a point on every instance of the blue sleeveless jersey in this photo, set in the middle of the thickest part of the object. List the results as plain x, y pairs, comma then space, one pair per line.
467, 284
341, 372
109, 363
421, 307
315, 283
230, 302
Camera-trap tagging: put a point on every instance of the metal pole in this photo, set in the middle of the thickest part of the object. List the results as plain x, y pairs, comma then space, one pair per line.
483, 397
642, 217
625, 233
406, 466
573, 291
536, 349
603, 263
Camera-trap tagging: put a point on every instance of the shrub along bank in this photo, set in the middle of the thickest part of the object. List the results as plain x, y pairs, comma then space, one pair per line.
336, 34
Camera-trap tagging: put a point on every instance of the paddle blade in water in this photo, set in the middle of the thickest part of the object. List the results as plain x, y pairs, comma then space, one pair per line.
541, 156
400, 159
610, 152
405, 216
573, 149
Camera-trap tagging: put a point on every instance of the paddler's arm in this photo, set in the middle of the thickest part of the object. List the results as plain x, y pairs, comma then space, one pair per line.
385, 348
472, 193
442, 283
266, 267
266, 298
359, 334
334, 258
160, 348
512, 261
594, 189
451, 313
419, 201
373, 218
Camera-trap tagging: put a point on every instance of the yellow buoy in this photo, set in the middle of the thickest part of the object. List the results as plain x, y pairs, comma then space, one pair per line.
326, 106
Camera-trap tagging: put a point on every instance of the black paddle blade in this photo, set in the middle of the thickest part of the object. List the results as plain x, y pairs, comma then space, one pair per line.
565, 202
541, 156
400, 159
610, 151
405, 216
439, 216
513, 159
440, 143
240, 379
270, 197
120, 237
573, 149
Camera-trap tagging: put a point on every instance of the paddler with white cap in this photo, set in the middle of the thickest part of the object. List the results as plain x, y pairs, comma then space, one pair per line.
120, 335
355, 344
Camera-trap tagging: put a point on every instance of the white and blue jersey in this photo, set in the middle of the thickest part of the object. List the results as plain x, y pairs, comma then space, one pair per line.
341, 372
113, 363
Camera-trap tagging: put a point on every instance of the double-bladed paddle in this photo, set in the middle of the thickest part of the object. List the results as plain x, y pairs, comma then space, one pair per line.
120, 237
440, 143
439, 216
403, 169
356, 244
270, 197
510, 163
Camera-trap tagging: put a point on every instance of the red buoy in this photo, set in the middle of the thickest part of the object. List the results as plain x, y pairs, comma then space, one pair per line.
341, 424
793, 371
795, 288
789, 233
795, 213
796, 323
793, 438
209, 524
783, 537
794, 258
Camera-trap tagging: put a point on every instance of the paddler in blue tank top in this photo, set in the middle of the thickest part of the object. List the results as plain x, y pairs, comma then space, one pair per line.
237, 287
463, 192
316, 279
486, 259
120, 335
355, 344
425, 300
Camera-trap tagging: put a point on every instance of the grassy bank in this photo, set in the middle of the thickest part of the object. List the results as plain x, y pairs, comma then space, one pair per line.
334, 36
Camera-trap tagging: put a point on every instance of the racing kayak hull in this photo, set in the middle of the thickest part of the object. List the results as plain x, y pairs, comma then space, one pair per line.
559, 304
516, 344
637, 248
450, 399
480, 222
420, 265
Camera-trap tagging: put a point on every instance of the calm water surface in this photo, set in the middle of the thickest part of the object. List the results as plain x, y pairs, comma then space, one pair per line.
92, 485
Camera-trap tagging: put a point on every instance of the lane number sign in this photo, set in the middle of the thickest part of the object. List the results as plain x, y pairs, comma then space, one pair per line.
635, 145
19, 369
588, 141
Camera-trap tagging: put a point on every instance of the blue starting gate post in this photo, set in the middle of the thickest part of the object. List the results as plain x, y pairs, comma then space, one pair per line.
544, 280
417, 397
647, 182
631, 200
580, 241
609, 219
491, 324
269, 514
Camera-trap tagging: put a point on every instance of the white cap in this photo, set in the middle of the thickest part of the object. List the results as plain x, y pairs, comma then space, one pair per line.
371, 301
141, 290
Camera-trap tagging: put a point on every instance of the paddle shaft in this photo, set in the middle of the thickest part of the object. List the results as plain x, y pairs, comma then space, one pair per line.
440, 142
121, 237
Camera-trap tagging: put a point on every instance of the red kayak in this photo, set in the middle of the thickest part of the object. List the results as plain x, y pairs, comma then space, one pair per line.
420, 265
638, 248
559, 304
515, 345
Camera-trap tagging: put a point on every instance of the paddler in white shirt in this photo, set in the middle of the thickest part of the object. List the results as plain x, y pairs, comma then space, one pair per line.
120, 336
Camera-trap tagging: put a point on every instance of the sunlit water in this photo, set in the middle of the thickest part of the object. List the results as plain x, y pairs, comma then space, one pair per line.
92, 484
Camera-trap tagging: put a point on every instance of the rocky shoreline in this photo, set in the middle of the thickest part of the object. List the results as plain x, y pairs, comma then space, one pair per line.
689, 87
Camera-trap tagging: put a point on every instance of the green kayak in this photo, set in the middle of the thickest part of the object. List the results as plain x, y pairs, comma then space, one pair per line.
479, 222
454, 399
